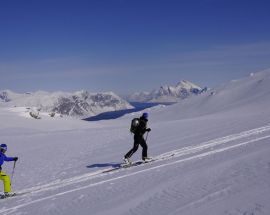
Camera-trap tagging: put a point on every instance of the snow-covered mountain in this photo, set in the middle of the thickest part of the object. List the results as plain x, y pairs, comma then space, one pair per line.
212, 158
78, 104
244, 93
166, 93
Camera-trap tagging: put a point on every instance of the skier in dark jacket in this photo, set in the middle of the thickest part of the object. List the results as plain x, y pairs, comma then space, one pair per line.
139, 139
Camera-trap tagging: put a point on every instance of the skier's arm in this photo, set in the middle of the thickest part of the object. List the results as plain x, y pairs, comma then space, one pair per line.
145, 129
142, 128
9, 158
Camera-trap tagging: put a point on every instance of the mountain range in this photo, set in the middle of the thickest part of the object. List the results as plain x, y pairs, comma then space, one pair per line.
77, 104
182, 90
85, 104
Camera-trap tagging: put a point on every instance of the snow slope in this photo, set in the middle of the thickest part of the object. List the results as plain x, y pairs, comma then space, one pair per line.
213, 149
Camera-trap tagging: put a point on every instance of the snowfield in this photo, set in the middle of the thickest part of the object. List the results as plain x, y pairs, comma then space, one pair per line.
212, 158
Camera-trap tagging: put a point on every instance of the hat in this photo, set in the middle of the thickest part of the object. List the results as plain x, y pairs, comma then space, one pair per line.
3, 146
145, 115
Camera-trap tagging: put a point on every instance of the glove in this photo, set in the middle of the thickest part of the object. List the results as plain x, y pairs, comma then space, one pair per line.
148, 129
15, 158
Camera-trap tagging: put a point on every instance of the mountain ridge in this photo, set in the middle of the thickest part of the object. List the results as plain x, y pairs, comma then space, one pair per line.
166, 93
78, 104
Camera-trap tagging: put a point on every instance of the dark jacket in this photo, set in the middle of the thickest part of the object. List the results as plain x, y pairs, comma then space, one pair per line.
141, 129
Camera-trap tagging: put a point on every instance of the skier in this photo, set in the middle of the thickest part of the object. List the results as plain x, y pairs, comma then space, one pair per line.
139, 131
3, 176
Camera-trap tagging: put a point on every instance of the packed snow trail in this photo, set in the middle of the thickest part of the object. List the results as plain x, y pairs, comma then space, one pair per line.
165, 156
199, 156
168, 155
185, 154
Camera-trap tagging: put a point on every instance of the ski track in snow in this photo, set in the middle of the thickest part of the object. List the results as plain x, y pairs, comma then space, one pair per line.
185, 154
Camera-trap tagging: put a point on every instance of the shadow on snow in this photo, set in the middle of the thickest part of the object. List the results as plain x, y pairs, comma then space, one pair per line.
100, 165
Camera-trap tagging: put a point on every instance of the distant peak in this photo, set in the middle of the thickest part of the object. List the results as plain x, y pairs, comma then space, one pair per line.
187, 84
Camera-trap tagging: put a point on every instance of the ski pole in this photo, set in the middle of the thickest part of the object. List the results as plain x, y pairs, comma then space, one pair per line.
13, 170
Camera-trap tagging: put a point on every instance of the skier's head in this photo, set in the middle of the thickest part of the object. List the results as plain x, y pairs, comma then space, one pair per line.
145, 115
3, 147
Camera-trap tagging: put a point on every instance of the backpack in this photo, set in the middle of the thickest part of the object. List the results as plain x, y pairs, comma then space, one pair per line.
134, 125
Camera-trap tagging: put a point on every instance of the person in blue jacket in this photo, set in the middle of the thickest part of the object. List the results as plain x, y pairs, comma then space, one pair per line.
3, 176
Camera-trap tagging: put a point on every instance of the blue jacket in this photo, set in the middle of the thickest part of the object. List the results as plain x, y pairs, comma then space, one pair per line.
4, 158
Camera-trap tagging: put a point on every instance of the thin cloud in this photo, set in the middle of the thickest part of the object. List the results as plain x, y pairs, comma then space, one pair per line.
222, 55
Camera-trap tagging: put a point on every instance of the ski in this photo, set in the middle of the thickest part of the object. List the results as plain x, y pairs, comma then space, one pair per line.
139, 162
123, 166
3, 196
126, 166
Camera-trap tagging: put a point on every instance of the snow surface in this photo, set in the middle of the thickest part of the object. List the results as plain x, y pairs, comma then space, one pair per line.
214, 159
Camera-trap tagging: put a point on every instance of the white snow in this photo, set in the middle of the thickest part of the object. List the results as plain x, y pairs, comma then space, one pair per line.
213, 150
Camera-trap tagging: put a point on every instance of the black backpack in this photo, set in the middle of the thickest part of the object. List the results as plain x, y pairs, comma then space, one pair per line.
134, 125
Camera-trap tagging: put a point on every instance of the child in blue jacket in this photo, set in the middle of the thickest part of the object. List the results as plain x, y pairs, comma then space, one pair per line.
3, 176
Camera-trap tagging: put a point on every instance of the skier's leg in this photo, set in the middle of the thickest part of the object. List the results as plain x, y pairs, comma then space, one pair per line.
145, 148
6, 180
133, 150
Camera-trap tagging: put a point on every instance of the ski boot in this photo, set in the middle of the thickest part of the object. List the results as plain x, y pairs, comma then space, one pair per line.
147, 159
7, 195
127, 161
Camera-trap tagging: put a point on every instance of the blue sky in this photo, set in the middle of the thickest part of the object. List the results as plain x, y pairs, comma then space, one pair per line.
130, 45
